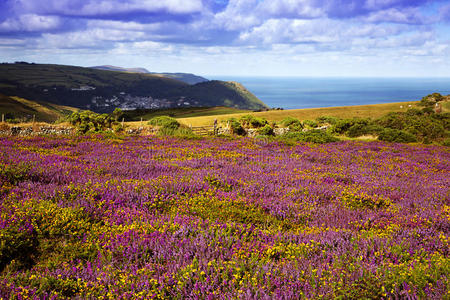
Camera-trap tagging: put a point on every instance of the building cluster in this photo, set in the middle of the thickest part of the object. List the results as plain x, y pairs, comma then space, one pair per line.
128, 102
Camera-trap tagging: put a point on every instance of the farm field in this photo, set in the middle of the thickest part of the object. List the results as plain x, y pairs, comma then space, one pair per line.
189, 112
44, 112
357, 111
162, 217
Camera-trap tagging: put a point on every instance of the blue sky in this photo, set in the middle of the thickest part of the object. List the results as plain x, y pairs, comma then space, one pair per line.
234, 37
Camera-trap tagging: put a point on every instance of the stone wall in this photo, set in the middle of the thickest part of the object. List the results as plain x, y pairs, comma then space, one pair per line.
35, 130
252, 132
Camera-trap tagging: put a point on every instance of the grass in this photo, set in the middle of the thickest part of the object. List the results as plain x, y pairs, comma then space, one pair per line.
44, 112
446, 106
363, 111
188, 112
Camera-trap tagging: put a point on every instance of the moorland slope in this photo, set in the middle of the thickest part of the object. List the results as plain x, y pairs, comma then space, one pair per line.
103, 91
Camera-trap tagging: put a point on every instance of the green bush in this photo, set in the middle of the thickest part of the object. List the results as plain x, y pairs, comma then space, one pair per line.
250, 121
179, 132
310, 123
117, 114
312, 136
236, 127
428, 110
293, 124
165, 122
393, 120
397, 136
327, 120
18, 244
15, 174
266, 130
342, 126
431, 99
361, 129
425, 127
357, 130
414, 112
88, 121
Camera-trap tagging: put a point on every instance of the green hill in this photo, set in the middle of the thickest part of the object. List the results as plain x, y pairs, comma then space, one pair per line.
185, 77
102, 91
120, 69
23, 109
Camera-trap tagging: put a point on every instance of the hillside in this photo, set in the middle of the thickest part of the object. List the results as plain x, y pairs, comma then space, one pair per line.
23, 109
120, 69
185, 112
185, 77
102, 91
361, 111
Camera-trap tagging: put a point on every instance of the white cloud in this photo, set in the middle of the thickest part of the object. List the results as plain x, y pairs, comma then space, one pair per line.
105, 7
91, 38
30, 23
394, 15
336, 33
289, 8
239, 14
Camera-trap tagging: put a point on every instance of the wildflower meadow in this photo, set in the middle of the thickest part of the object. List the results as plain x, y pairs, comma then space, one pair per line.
217, 218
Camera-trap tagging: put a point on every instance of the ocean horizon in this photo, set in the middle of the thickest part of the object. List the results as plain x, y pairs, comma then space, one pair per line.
313, 92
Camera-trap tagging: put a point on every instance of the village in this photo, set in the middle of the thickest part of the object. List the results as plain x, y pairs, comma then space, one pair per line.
125, 101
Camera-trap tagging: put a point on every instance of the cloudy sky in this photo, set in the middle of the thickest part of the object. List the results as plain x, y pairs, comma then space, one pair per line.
234, 37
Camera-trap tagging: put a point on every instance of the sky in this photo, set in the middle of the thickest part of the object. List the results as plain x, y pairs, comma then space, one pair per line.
369, 38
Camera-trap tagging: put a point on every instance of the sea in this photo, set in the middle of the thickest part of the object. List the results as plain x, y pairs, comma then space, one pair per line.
307, 92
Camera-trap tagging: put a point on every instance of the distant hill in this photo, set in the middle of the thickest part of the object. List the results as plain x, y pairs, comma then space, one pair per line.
103, 91
23, 109
185, 77
120, 69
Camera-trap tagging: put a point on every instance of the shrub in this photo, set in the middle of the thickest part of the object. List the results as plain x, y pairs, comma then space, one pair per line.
250, 121
327, 120
357, 130
266, 130
312, 136
361, 129
179, 132
397, 136
343, 126
15, 173
13, 121
293, 124
310, 123
117, 114
414, 112
392, 120
428, 127
236, 127
428, 110
18, 244
88, 121
431, 99
165, 122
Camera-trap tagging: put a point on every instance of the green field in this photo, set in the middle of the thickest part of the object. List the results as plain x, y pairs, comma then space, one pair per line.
362, 111
188, 112
21, 108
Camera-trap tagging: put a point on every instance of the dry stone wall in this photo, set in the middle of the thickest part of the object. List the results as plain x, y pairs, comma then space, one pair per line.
36, 130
